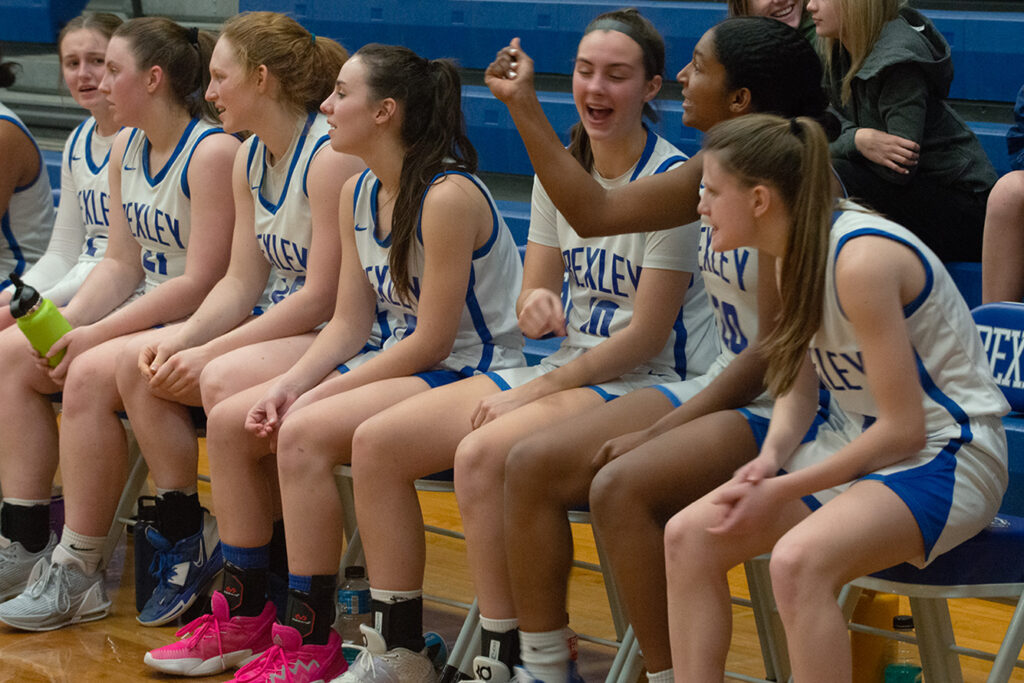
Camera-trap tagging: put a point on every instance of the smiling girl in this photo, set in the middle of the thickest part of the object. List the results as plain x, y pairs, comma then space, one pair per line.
169, 231
621, 334
792, 13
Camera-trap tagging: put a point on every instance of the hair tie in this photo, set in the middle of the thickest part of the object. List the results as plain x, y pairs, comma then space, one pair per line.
610, 24
312, 38
796, 129
193, 37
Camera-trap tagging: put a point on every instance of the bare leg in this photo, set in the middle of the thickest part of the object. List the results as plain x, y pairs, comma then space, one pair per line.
634, 496
480, 484
243, 499
865, 529
390, 451
311, 442
93, 451
547, 473
250, 365
696, 565
163, 427
1002, 252
28, 430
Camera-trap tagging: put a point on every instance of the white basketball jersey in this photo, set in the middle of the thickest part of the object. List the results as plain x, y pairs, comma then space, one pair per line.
604, 272
951, 365
87, 156
284, 227
26, 225
730, 279
488, 337
157, 201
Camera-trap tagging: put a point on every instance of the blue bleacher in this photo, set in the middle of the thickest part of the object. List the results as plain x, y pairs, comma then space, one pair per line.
36, 21
987, 46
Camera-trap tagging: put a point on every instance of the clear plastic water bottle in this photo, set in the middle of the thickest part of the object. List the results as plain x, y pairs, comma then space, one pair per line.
904, 667
353, 605
38, 318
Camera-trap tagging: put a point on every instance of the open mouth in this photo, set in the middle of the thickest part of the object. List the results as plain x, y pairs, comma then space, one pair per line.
784, 13
598, 114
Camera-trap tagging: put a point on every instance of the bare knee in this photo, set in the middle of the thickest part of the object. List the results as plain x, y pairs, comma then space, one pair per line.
126, 367
216, 382
89, 385
796, 571
527, 473
479, 472
376, 452
617, 495
300, 451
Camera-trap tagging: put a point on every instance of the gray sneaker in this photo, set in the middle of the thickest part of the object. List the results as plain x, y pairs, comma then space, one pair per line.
16, 565
57, 595
376, 664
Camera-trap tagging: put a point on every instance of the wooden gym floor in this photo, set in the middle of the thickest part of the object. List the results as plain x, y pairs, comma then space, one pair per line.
112, 649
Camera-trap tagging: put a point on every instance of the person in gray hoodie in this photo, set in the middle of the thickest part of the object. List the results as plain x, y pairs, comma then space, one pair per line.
901, 148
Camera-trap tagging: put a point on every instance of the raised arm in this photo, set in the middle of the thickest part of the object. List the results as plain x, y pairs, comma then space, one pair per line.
656, 202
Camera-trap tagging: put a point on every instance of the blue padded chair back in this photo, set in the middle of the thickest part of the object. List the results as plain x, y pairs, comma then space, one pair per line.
1001, 326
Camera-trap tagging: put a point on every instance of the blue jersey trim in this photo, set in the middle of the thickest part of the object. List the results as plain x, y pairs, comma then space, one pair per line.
498, 380
188, 162
74, 141
273, 207
39, 155
919, 300
12, 242
155, 180
386, 242
606, 395
672, 398
323, 140
931, 503
645, 156
93, 166
475, 311
670, 163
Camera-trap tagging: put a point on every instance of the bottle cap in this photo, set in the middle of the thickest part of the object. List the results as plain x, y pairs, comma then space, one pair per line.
903, 622
25, 298
355, 572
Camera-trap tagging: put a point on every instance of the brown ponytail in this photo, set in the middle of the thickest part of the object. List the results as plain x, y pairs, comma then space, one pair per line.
792, 156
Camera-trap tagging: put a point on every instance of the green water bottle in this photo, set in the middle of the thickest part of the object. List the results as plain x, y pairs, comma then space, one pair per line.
38, 318
904, 668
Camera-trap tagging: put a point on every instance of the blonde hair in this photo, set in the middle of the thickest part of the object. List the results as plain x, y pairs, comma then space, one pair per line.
305, 65
860, 24
791, 156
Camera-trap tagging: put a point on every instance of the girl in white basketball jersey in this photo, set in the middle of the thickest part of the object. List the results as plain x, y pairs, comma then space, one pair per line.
269, 76
79, 232
914, 460
169, 176
26, 205
660, 459
79, 237
425, 296
473, 424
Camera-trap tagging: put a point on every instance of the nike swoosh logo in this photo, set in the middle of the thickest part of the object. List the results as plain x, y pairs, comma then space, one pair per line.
74, 158
129, 168
361, 228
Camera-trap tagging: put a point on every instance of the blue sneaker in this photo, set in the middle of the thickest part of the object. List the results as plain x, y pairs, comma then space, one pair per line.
184, 568
145, 581
436, 649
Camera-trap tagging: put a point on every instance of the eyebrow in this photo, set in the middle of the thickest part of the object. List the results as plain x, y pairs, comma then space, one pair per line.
612, 65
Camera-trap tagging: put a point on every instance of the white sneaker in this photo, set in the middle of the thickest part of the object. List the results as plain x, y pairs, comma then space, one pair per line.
16, 565
489, 670
377, 664
57, 595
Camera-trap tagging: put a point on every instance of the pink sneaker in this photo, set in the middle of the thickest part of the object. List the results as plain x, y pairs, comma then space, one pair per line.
289, 661
215, 642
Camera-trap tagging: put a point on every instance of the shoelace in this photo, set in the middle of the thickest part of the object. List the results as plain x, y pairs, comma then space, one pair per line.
57, 575
199, 628
164, 564
365, 659
273, 658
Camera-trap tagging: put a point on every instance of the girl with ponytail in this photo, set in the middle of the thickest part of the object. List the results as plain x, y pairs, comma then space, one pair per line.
620, 334
286, 182
169, 237
425, 296
907, 460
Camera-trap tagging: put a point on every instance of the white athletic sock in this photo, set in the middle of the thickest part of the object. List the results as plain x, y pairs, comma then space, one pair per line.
24, 502
391, 597
499, 625
87, 551
545, 655
660, 676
